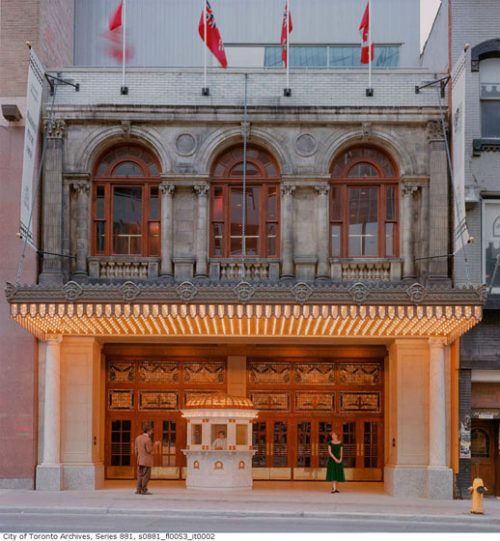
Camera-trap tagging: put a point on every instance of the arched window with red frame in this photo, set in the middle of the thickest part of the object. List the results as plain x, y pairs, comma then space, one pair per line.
126, 203
364, 205
260, 229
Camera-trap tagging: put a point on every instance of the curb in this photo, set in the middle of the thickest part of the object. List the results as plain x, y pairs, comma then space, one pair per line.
166, 512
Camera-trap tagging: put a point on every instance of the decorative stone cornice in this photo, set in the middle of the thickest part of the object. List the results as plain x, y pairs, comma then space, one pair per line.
325, 292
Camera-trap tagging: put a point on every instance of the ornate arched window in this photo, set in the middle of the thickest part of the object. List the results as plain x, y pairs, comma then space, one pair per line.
126, 204
258, 234
364, 204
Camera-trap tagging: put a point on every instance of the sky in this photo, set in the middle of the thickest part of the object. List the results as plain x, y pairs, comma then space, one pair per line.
428, 10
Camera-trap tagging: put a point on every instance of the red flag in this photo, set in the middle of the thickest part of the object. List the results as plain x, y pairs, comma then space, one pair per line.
287, 18
213, 41
115, 20
367, 49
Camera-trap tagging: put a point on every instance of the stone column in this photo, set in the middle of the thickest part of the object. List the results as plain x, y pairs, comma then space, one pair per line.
202, 231
82, 190
167, 229
440, 477
439, 215
323, 271
49, 472
408, 232
287, 268
52, 190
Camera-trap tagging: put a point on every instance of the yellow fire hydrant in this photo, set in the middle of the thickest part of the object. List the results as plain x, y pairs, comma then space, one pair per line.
477, 490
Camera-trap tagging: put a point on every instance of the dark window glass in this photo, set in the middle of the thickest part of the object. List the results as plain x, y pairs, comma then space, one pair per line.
259, 444
99, 203
154, 204
363, 224
127, 220
272, 206
304, 444
336, 240
349, 445
280, 444
127, 169
363, 170
480, 443
490, 118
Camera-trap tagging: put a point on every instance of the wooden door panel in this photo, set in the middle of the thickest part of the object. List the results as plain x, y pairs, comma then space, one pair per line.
483, 451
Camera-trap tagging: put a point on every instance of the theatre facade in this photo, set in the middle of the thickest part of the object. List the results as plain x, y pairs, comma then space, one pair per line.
296, 255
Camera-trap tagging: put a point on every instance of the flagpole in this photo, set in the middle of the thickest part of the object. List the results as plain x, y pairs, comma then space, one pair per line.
370, 45
205, 86
124, 89
287, 44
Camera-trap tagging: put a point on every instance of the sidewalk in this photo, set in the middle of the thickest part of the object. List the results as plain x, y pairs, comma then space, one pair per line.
266, 499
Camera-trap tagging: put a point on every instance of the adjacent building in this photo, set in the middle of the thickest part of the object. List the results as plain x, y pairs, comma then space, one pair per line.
284, 248
465, 41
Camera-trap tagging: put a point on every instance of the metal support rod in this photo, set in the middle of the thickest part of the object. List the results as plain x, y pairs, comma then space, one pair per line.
52, 79
443, 82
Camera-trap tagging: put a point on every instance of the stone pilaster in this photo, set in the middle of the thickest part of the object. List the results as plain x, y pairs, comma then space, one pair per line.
323, 271
49, 472
202, 231
439, 222
408, 231
287, 267
439, 475
167, 229
52, 193
82, 189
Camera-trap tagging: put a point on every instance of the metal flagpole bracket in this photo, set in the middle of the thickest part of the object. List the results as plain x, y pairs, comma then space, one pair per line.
57, 81
124, 90
369, 92
287, 92
205, 91
443, 82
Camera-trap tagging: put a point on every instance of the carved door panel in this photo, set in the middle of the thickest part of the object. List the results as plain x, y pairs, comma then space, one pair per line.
483, 453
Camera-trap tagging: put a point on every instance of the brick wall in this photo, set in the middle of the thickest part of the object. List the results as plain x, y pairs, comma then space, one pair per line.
47, 24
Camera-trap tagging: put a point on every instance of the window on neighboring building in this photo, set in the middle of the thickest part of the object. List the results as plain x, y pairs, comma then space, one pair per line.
490, 97
259, 232
364, 205
331, 56
126, 203
491, 242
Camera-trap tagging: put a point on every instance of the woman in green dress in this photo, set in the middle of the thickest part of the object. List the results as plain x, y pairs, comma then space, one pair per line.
334, 467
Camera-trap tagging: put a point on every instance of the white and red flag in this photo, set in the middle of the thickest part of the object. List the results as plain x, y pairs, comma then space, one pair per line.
367, 47
212, 38
286, 28
115, 21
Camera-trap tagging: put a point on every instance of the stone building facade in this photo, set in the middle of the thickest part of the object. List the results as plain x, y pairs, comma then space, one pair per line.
465, 42
325, 305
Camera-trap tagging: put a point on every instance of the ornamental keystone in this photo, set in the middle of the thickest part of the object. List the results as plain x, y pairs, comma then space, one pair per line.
416, 292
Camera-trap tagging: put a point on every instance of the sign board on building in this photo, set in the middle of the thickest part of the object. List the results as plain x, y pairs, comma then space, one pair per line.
31, 144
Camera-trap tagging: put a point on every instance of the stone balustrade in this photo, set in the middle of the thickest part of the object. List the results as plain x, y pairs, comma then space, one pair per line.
119, 267
365, 270
254, 270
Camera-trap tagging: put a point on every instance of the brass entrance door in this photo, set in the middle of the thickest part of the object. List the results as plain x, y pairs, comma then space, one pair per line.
271, 440
363, 449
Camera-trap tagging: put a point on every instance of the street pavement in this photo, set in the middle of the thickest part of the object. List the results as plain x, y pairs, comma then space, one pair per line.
268, 507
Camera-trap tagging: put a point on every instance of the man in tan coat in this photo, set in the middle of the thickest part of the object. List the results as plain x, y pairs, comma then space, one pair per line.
144, 453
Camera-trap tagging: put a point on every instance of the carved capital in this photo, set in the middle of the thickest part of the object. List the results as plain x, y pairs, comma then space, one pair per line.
322, 189
286, 189
408, 190
55, 128
167, 189
366, 128
435, 130
81, 187
53, 339
201, 190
